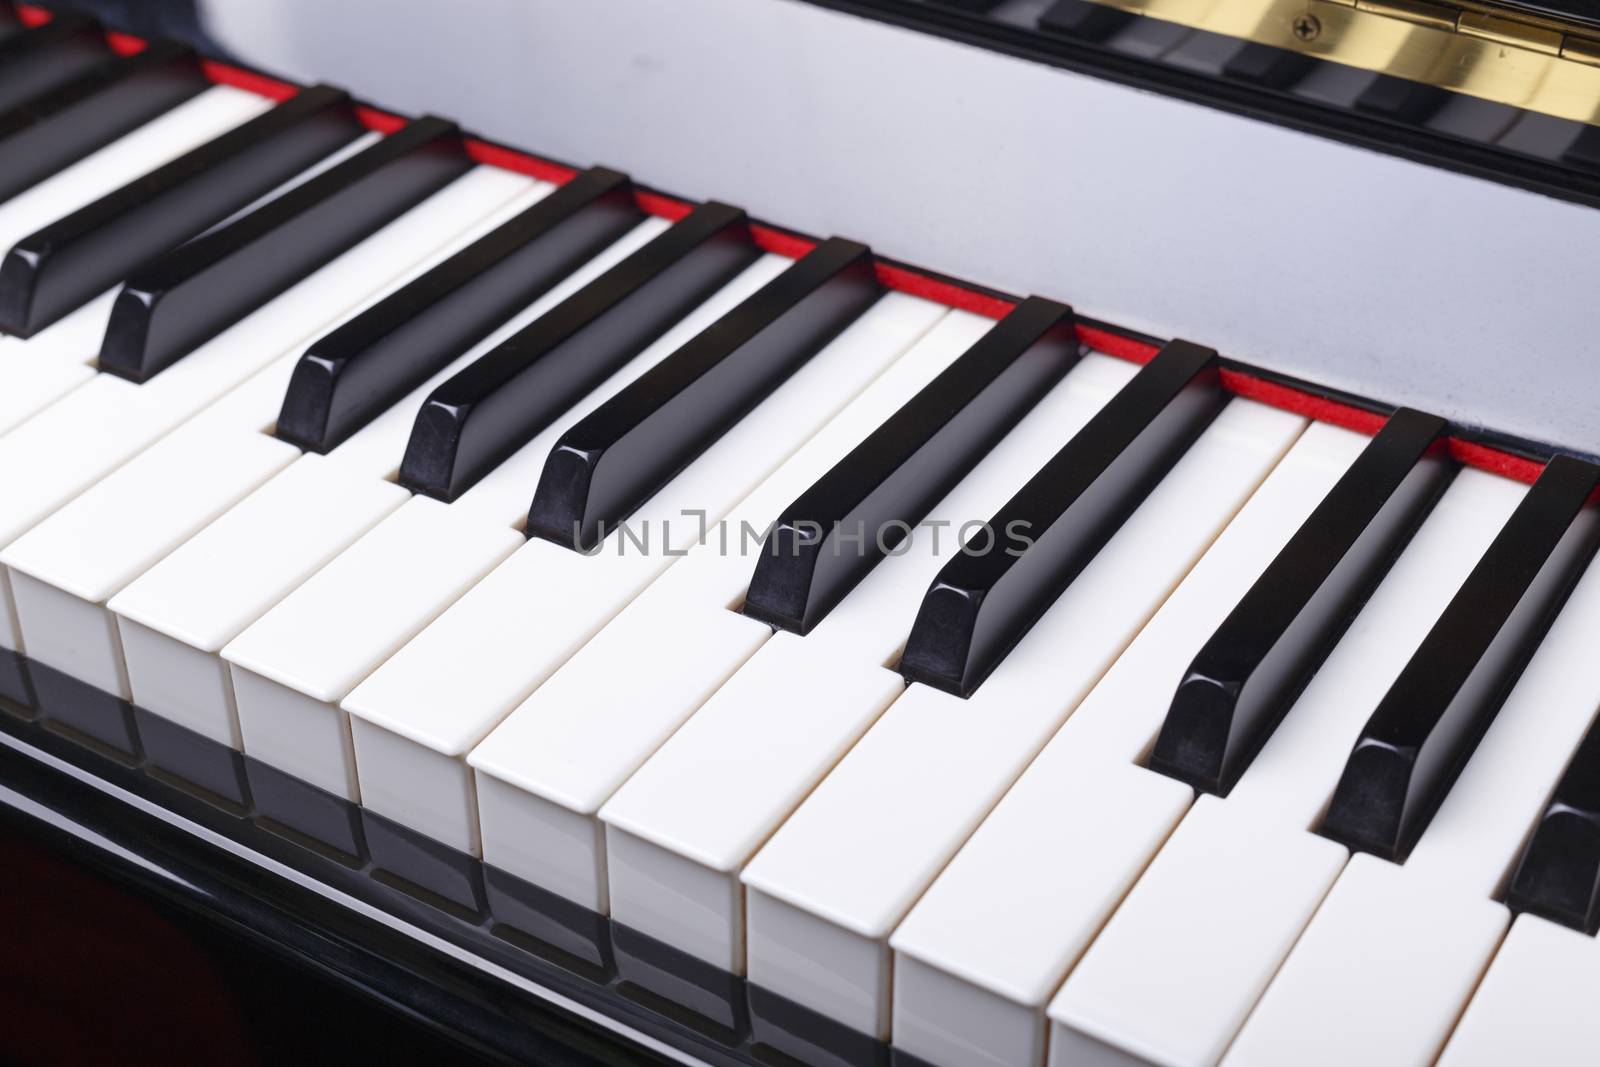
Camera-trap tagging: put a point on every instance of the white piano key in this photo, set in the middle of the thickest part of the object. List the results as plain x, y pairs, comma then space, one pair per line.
845, 868
788, 715
53, 456
78, 558
177, 618
992, 938
1221, 929
10, 632
294, 665
681, 829
498, 650
37, 370
1535, 1004
1411, 941
1380, 976
545, 771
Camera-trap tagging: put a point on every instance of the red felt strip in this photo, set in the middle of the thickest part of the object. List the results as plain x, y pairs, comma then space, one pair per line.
1115, 344
659, 204
124, 44
379, 121
941, 291
493, 155
781, 242
31, 15
1472, 454
248, 80
1302, 403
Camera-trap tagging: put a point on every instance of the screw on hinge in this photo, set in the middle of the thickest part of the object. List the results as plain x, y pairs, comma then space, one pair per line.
1307, 27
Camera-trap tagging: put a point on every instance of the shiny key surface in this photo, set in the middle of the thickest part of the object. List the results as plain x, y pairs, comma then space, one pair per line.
68, 261
176, 302
492, 408
47, 132
984, 600
1558, 876
895, 475
1252, 668
1431, 719
617, 457
37, 60
358, 370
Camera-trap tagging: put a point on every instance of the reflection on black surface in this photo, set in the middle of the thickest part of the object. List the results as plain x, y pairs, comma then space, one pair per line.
500, 919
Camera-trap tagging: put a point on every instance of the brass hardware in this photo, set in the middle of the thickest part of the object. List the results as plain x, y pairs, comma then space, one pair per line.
1469, 47
1507, 32
1581, 50
1438, 16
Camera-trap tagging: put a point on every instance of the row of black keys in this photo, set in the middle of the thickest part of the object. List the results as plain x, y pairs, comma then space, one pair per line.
980, 604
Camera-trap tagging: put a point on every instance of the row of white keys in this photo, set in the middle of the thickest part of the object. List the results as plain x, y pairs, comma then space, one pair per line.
176, 619
416, 717
1384, 969
831, 885
62, 450
1181, 963
681, 829
990, 941
35, 371
66, 569
294, 665
544, 772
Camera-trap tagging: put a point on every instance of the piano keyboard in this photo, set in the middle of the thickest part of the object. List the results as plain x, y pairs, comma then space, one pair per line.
839, 666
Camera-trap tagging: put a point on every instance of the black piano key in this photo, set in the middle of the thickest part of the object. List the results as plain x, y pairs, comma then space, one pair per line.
1399, 98
1427, 725
1558, 876
984, 600
1085, 19
1268, 67
353, 374
179, 300
38, 60
497, 404
1254, 666
904, 467
74, 259
617, 457
48, 132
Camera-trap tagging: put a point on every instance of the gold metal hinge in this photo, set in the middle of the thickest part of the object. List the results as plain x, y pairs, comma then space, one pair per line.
1528, 61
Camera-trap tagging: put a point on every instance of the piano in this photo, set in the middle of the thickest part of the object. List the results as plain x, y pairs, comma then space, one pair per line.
1030, 533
